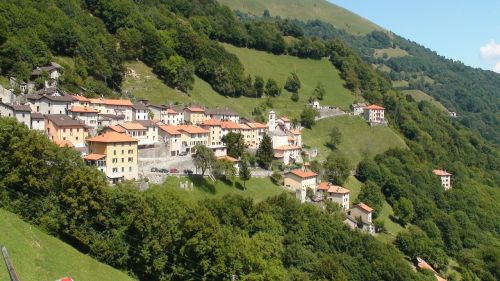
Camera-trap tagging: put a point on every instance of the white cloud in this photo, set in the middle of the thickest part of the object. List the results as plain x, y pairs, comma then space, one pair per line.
496, 68
490, 51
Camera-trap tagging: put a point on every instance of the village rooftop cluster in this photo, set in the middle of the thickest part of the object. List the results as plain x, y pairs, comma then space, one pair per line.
109, 132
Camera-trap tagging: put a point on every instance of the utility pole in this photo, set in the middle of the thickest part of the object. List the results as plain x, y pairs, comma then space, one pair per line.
10, 266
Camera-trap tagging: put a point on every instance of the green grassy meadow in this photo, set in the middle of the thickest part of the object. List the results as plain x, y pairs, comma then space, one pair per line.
359, 140
146, 85
420, 96
391, 53
39, 257
256, 188
306, 10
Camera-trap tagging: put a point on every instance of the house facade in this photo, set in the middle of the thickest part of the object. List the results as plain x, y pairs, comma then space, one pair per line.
113, 106
22, 113
49, 104
224, 114
194, 115
139, 111
301, 180
62, 128
85, 113
363, 213
37, 122
445, 178
119, 152
374, 114
358, 108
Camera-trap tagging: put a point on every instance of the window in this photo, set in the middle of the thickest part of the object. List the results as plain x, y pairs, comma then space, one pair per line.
114, 152
131, 159
123, 169
123, 151
115, 160
123, 160
115, 170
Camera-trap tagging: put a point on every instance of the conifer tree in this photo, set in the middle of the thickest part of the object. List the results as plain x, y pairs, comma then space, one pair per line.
245, 173
265, 153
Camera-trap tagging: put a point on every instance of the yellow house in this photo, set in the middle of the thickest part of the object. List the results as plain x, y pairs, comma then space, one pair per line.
194, 115
63, 128
301, 180
119, 152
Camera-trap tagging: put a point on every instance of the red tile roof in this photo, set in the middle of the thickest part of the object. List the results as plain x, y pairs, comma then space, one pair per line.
195, 109
82, 109
132, 126
286, 147
171, 130
302, 174
117, 129
111, 137
374, 107
111, 102
338, 189
230, 125
94, 156
256, 125
295, 132
364, 208
81, 98
64, 143
324, 185
441, 173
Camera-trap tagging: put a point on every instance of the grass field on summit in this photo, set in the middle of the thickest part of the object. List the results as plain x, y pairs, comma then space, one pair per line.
256, 188
40, 257
146, 85
306, 10
358, 138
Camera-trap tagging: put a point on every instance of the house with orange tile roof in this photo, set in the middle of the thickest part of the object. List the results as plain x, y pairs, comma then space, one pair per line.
284, 123
79, 100
374, 114
85, 113
445, 178
257, 133
118, 152
61, 127
287, 153
113, 106
362, 214
301, 180
234, 161
194, 115
183, 138
335, 193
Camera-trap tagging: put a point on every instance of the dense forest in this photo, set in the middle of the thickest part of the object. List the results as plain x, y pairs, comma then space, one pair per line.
158, 238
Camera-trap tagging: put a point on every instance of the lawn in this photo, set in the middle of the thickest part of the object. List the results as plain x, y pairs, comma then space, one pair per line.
256, 188
144, 84
392, 228
420, 96
306, 10
400, 84
38, 256
391, 53
359, 140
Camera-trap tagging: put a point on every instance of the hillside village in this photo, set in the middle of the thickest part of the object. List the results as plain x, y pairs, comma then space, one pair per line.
110, 135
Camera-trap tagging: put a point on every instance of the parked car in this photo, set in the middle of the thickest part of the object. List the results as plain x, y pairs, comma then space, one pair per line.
174, 171
184, 153
164, 171
188, 172
154, 170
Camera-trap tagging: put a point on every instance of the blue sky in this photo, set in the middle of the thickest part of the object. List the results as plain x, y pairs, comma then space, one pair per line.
456, 29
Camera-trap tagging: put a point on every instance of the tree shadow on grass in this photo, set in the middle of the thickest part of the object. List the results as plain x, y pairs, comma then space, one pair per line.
239, 186
397, 221
203, 184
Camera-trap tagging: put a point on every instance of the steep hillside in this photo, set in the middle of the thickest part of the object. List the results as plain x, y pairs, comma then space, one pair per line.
306, 10
38, 256
145, 84
359, 140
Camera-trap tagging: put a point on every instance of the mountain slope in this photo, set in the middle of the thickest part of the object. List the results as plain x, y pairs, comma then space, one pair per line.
38, 256
306, 10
